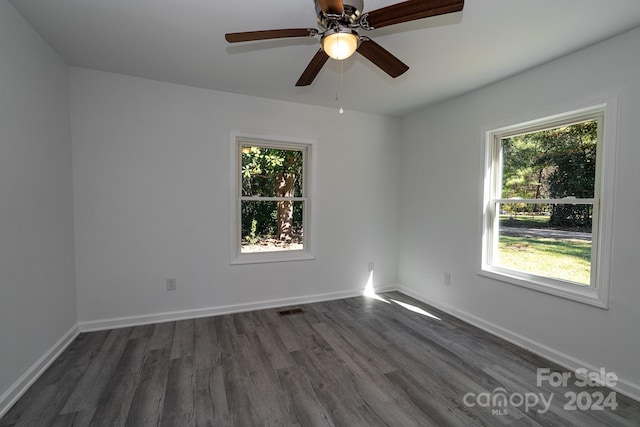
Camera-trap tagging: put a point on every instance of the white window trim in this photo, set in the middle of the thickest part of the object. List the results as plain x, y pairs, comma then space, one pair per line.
238, 138
598, 294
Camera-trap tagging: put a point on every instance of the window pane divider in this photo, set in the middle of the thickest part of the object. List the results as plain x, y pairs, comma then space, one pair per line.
272, 199
569, 201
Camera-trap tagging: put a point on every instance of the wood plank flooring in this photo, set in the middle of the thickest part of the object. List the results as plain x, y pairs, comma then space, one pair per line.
353, 362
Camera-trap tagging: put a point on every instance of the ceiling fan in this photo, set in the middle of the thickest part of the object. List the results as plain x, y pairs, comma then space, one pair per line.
339, 22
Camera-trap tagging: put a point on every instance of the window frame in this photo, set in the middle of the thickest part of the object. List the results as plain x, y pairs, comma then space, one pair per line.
597, 292
307, 146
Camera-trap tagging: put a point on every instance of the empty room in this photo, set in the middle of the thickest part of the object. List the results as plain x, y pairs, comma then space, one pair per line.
319, 213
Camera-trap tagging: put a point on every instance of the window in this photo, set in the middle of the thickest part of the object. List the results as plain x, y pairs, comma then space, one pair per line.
271, 203
546, 225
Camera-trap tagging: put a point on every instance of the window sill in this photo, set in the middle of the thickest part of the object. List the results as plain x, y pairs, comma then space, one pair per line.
265, 257
582, 294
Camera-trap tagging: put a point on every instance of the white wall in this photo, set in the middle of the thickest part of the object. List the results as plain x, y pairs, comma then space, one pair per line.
441, 173
151, 186
37, 282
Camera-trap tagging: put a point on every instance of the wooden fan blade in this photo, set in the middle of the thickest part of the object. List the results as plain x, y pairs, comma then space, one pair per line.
334, 7
411, 10
269, 34
312, 70
382, 58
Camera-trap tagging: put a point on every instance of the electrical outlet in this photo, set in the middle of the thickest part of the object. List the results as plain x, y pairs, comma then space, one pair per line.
447, 279
171, 284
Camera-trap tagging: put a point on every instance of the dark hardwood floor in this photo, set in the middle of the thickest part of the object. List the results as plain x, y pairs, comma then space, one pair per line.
353, 362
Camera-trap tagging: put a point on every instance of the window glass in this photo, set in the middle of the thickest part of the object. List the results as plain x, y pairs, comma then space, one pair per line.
541, 238
271, 207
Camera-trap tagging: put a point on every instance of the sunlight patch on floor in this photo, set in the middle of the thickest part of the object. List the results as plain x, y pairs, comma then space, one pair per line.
415, 309
370, 292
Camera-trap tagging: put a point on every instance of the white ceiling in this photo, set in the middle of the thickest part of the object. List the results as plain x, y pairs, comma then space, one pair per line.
182, 41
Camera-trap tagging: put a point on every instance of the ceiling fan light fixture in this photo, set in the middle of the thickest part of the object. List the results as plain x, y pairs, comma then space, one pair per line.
337, 20
340, 43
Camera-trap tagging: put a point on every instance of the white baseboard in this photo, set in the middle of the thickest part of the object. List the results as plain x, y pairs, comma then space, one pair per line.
390, 288
11, 396
568, 362
122, 322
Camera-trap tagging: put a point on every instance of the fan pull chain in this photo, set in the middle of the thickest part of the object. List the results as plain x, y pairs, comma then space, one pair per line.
339, 84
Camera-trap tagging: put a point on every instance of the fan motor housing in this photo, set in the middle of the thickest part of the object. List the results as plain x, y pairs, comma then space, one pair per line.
352, 12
